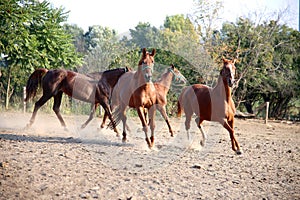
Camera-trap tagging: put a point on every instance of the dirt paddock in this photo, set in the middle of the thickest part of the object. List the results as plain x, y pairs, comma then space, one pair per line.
47, 162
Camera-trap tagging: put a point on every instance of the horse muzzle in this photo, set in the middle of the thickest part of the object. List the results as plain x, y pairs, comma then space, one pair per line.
148, 78
230, 82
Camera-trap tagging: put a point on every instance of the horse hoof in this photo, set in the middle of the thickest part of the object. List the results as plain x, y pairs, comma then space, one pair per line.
28, 126
238, 152
124, 140
202, 143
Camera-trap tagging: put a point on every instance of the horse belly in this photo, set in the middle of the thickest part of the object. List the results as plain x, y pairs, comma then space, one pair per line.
85, 92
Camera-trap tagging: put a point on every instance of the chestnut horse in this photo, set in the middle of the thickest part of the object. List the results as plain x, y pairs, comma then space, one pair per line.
211, 104
162, 87
85, 88
136, 90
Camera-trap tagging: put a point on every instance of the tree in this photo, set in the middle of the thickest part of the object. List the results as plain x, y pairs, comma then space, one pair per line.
78, 37
32, 37
267, 59
145, 35
103, 49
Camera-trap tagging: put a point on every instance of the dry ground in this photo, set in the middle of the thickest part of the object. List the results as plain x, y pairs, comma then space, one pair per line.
47, 162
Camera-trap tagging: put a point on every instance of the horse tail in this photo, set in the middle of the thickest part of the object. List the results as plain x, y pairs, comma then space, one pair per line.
33, 83
179, 103
116, 115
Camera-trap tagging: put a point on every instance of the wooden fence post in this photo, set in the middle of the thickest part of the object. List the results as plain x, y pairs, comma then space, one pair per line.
267, 112
24, 97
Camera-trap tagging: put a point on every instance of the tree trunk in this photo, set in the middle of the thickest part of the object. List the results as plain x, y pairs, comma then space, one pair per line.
7, 90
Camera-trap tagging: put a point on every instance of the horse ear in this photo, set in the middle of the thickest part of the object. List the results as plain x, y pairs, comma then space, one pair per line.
234, 60
153, 52
144, 51
224, 59
173, 67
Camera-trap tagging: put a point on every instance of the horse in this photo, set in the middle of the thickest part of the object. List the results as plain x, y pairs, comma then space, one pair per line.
79, 86
211, 104
136, 90
162, 86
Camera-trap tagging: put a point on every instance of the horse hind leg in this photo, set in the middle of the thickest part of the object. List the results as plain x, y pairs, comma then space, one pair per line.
162, 110
187, 123
93, 109
56, 106
37, 106
198, 122
105, 116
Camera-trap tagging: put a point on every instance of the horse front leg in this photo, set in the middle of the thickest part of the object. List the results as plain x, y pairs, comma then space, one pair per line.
124, 121
234, 144
141, 115
163, 112
152, 123
93, 109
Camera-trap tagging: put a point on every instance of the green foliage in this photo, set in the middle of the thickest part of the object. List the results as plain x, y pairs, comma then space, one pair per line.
267, 68
31, 38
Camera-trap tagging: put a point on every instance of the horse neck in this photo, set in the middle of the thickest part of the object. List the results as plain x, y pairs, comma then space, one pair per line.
165, 81
141, 81
112, 79
223, 89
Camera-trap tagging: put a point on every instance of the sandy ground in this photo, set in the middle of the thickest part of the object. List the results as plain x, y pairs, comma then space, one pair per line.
47, 162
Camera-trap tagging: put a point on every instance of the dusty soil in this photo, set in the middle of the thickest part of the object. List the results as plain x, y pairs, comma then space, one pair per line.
47, 162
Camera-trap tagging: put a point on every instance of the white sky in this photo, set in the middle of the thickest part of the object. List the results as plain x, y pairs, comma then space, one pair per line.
122, 15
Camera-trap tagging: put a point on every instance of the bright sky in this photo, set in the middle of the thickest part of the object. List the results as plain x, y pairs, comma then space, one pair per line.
123, 15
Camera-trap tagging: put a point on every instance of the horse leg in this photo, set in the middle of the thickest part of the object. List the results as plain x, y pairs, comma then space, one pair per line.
198, 121
188, 118
37, 106
104, 119
163, 112
56, 105
140, 112
152, 123
234, 144
124, 120
107, 110
238, 150
93, 109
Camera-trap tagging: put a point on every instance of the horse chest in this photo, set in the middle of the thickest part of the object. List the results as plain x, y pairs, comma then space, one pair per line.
144, 98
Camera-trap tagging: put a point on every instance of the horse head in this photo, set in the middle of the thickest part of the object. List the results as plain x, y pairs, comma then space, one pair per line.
228, 71
177, 76
146, 64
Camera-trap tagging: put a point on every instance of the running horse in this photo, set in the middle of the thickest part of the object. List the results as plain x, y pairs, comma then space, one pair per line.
79, 86
162, 87
211, 104
136, 90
